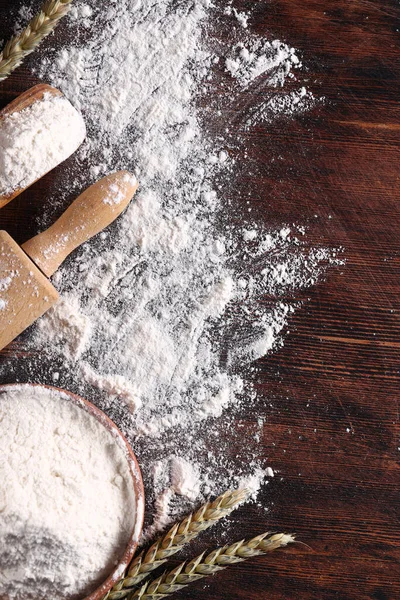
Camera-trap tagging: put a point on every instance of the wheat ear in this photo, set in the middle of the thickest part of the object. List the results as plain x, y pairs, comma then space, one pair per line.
203, 566
24, 43
174, 540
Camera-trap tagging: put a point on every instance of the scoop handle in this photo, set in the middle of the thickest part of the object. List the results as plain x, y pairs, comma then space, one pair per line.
89, 214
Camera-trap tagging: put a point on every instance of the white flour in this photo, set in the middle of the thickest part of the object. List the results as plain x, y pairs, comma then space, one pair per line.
165, 311
67, 506
258, 57
289, 104
36, 139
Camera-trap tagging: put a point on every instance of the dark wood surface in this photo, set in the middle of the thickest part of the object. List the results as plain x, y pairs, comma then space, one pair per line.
332, 392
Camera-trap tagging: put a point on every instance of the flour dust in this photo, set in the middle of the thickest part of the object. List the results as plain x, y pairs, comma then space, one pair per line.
163, 315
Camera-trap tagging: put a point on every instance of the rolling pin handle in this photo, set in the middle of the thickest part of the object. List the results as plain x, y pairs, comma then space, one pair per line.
89, 214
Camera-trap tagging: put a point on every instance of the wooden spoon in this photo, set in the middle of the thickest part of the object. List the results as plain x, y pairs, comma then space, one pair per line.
24, 101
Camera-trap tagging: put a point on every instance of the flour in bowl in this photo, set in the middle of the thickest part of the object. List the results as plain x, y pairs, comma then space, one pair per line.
67, 503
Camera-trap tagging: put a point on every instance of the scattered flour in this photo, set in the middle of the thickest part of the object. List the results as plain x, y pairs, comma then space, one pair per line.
82, 11
284, 104
242, 17
36, 139
81, 511
5, 283
163, 314
185, 478
255, 480
258, 57
66, 316
24, 14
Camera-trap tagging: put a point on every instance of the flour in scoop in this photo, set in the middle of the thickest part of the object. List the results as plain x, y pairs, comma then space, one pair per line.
67, 504
35, 140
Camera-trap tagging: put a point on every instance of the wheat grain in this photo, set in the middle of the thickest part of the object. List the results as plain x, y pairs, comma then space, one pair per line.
203, 566
22, 44
174, 540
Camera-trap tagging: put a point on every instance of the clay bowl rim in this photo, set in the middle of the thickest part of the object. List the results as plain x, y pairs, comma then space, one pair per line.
135, 472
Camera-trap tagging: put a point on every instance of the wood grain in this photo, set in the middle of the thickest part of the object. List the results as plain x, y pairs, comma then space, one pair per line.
331, 394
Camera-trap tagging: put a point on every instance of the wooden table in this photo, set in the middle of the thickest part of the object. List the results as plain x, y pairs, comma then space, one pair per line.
332, 429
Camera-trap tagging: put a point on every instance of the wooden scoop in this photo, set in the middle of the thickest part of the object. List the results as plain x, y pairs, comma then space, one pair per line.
23, 102
25, 292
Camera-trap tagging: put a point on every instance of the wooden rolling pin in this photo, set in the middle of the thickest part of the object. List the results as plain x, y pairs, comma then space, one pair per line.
36, 149
25, 291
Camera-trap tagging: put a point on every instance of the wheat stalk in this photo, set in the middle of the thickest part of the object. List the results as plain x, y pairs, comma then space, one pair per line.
186, 573
174, 540
22, 44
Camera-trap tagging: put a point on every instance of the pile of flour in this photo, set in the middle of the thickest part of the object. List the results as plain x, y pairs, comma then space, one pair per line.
35, 140
67, 505
163, 315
